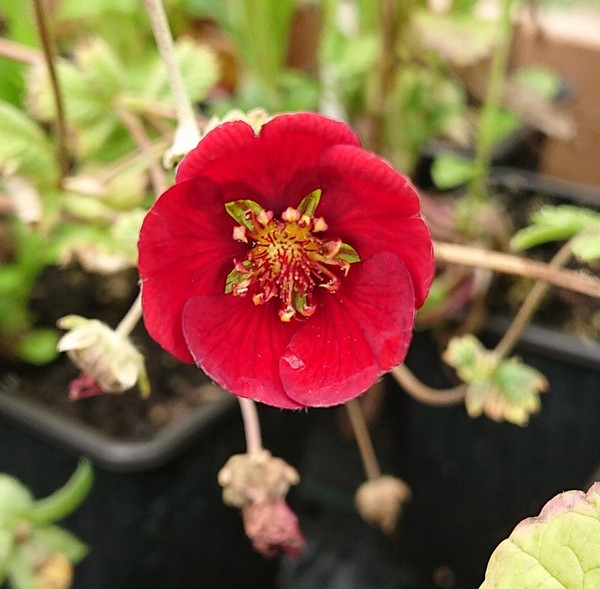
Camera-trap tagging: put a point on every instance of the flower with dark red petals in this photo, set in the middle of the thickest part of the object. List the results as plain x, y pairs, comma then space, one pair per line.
286, 262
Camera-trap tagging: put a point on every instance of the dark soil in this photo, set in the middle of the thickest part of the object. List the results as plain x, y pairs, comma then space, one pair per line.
175, 387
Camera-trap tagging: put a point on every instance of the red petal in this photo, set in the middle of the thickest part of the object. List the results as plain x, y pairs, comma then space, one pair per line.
239, 345
373, 208
185, 249
275, 168
354, 336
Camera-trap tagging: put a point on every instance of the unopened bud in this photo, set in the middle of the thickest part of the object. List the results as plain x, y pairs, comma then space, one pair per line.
100, 352
379, 501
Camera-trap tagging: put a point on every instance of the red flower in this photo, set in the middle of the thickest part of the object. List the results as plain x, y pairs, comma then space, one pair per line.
286, 263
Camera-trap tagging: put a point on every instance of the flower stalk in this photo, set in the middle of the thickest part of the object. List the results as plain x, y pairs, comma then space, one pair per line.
363, 439
476, 193
187, 133
49, 52
251, 425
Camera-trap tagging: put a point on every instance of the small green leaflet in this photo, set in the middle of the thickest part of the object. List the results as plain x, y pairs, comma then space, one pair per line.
237, 210
348, 254
309, 203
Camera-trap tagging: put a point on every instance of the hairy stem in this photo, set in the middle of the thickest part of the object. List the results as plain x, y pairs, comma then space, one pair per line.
186, 120
363, 439
481, 258
49, 57
251, 425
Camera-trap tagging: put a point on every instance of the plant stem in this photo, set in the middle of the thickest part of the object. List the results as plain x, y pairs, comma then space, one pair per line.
363, 439
187, 125
49, 57
66, 499
481, 258
476, 192
251, 425
137, 131
429, 395
530, 305
131, 318
392, 20
19, 52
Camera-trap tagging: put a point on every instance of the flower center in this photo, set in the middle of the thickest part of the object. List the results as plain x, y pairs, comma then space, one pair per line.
286, 259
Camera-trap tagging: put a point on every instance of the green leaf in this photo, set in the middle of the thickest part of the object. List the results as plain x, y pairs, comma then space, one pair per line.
450, 170
558, 549
587, 246
55, 539
20, 570
309, 203
14, 499
66, 499
24, 147
459, 39
237, 209
557, 223
39, 346
544, 81
502, 388
199, 69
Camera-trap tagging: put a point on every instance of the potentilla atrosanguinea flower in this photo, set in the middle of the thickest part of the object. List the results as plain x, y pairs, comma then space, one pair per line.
286, 262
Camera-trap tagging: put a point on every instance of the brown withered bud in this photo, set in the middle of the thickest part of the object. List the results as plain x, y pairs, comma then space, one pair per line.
256, 478
380, 501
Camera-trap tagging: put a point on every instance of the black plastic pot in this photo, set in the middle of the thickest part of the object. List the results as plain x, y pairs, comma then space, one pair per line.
155, 517
472, 480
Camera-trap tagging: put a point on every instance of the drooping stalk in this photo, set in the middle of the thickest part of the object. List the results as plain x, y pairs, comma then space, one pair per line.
251, 425
363, 439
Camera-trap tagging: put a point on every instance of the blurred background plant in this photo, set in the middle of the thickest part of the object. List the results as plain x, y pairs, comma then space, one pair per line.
34, 552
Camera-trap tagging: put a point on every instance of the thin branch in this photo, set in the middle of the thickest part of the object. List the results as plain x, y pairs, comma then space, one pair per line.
530, 305
470, 256
421, 392
137, 131
49, 57
251, 425
20, 52
363, 439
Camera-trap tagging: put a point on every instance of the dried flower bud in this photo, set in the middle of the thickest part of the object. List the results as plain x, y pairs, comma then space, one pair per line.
185, 139
109, 358
273, 528
379, 501
256, 118
256, 478
55, 573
